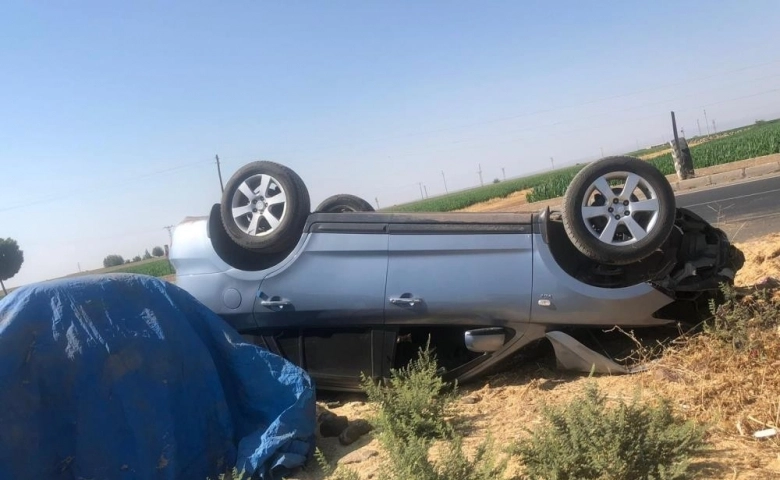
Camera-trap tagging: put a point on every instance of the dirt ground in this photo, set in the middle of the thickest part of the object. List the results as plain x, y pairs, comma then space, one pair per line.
509, 403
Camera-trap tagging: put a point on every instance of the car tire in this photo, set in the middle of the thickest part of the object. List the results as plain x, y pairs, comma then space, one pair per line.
344, 203
264, 207
624, 227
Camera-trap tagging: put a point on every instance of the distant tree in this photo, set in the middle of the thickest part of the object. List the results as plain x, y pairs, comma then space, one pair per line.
137, 258
11, 259
158, 252
127, 261
113, 261
147, 255
495, 180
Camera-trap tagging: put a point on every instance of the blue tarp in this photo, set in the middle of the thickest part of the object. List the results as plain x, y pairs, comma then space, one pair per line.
129, 377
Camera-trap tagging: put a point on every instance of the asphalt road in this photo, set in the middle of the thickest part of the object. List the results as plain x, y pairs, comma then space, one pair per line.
744, 210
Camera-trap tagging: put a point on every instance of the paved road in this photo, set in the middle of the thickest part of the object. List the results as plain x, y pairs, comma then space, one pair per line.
744, 210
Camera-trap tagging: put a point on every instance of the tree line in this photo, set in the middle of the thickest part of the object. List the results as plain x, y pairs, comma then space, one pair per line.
115, 260
11, 259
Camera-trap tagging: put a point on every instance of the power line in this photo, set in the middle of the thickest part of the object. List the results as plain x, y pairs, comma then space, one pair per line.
573, 120
105, 185
561, 107
479, 144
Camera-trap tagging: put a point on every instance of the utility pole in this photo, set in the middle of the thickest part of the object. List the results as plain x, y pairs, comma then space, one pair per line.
714, 130
602, 152
376, 199
682, 131
426, 191
481, 183
698, 125
503, 172
219, 172
170, 234
552, 162
79, 265
706, 123
419, 184
445, 182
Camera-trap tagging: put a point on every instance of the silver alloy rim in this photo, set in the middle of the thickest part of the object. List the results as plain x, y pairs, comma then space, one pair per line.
259, 205
623, 217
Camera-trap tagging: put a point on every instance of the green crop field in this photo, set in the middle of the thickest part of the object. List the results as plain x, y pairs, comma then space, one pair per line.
458, 200
155, 268
755, 141
740, 144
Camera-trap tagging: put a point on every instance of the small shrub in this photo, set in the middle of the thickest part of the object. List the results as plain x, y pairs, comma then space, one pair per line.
415, 401
484, 465
338, 473
586, 440
736, 320
412, 412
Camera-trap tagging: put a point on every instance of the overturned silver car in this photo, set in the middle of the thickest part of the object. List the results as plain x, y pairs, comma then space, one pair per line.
345, 290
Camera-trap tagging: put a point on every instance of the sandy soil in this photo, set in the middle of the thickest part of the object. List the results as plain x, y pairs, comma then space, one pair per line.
508, 403
762, 259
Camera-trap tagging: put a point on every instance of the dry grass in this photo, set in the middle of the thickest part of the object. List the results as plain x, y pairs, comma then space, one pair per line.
762, 259
736, 392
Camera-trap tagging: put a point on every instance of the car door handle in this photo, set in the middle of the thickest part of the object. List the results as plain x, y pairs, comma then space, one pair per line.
276, 305
406, 301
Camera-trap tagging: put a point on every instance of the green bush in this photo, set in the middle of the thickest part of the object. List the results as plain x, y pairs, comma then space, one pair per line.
113, 261
736, 320
338, 473
413, 408
584, 439
415, 401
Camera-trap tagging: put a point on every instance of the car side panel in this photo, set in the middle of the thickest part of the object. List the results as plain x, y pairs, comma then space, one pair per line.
561, 300
466, 279
338, 279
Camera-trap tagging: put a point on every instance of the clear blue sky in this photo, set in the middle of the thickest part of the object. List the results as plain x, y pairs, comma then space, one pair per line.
111, 112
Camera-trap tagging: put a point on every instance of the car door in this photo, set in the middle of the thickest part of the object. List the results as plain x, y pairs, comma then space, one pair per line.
460, 276
324, 310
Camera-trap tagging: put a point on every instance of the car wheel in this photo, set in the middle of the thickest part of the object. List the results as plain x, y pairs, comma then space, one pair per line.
619, 210
344, 203
264, 207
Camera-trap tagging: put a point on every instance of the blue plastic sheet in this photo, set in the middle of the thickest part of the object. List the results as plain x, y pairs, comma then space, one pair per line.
127, 376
